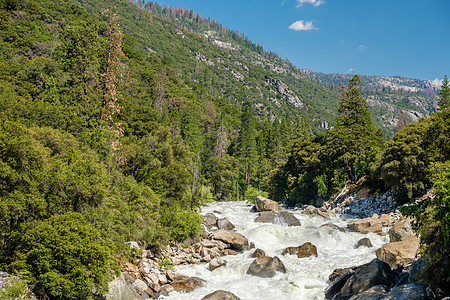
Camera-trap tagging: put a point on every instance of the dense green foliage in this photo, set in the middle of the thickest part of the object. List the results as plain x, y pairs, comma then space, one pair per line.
321, 165
418, 157
103, 141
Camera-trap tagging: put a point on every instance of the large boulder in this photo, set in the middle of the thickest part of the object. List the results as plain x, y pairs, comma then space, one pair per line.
266, 267
264, 204
187, 285
311, 210
366, 225
364, 242
399, 253
366, 276
224, 224
337, 284
401, 230
209, 220
235, 239
305, 250
280, 218
217, 263
417, 269
374, 293
408, 291
221, 295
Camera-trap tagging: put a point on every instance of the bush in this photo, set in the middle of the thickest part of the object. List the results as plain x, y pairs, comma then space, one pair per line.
251, 193
182, 224
64, 257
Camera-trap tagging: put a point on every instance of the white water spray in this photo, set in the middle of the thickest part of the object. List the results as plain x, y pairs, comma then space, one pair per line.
306, 278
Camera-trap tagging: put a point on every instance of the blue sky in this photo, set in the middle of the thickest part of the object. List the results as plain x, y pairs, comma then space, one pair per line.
409, 38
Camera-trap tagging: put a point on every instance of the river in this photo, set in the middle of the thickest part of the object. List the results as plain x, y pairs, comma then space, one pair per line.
306, 278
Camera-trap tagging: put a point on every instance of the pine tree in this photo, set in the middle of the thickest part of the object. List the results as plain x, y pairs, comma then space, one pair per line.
246, 144
444, 102
354, 135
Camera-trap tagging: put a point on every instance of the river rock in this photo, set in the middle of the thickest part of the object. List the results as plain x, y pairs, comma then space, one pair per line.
332, 227
305, 250
209, 220
118, 289
366, 276
337, 284
187, 285
221, 295
224, 224
399, 253
280, 218
341, 271
312, 210
374, 293
266, 267
417, 269
258, 253
366, 225
235, 239
140, 286
364, 242
264, 204
401, 230
229, 252
217, 263
408, 291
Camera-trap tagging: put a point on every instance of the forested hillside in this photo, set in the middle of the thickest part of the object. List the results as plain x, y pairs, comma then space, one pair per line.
103, 141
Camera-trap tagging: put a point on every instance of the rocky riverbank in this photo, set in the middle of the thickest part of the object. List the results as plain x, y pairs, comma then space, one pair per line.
391, 275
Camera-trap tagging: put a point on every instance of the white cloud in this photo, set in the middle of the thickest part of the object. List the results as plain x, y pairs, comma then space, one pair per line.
351, 70
362, 47
313, 2
301, 25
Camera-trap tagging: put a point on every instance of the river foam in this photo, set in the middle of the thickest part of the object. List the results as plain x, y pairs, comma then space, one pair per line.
306, 278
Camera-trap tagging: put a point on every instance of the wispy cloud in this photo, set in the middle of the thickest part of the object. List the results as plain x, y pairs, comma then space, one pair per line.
301, 25
313, 2
351, 71
362, 47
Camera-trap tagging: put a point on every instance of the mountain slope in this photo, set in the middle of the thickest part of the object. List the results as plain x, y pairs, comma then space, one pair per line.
226, 64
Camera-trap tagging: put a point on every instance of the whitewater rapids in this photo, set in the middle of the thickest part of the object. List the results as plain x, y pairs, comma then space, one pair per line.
305, 278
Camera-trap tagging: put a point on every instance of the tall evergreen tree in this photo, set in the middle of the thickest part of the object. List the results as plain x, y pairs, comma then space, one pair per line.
444, 102
246, 144
354, 136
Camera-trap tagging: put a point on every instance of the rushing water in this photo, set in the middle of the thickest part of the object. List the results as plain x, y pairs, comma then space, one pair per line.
306, 278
